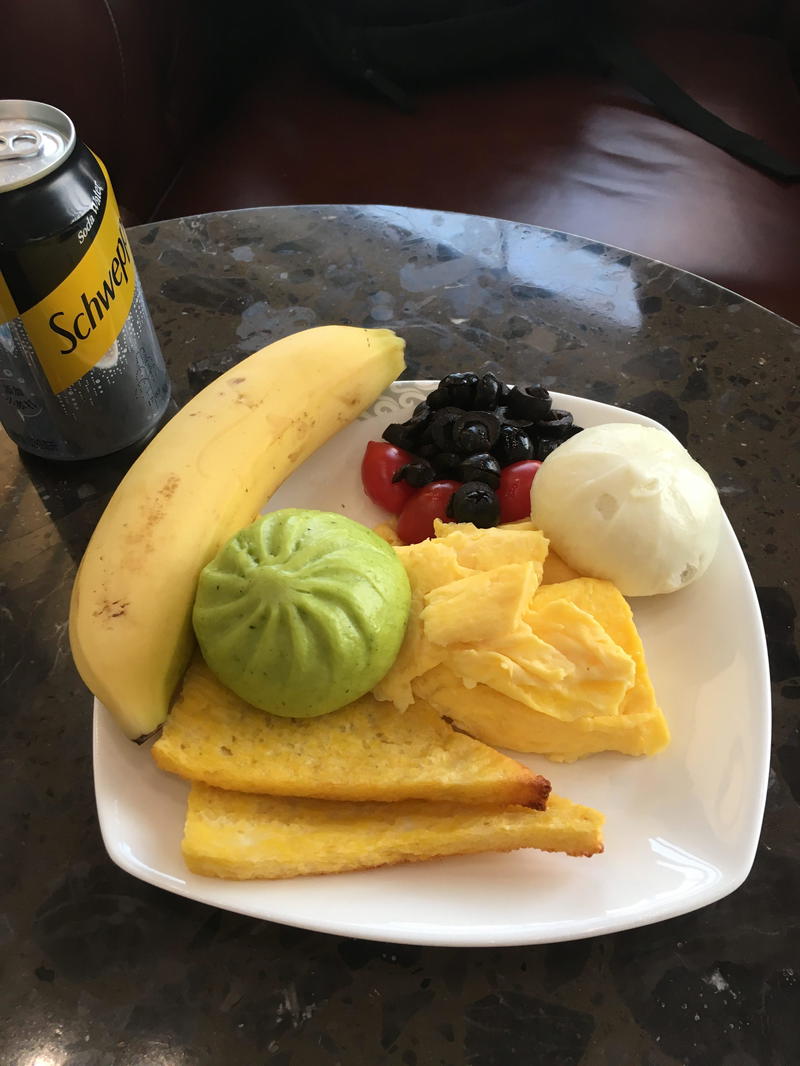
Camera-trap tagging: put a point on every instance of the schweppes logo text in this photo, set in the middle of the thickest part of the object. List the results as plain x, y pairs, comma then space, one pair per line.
73, 327
94, 308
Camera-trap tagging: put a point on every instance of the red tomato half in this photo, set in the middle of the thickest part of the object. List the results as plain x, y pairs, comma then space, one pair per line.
514, 490
380, 463
416, 519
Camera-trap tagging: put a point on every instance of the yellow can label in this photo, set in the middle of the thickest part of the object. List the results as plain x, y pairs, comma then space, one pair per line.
75, 324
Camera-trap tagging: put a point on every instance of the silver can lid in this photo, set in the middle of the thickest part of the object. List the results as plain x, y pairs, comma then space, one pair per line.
34, 139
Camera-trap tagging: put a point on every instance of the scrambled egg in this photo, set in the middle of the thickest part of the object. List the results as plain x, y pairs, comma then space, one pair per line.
519, 651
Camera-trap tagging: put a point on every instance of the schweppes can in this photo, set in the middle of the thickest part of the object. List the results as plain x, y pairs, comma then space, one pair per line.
81, 372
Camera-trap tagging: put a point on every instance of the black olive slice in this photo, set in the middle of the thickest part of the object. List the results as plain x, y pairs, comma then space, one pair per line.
546, 446
513, 445
446, 464
401, 435
474, 502
441, 427
519, 423
557, 424
532, 402
439, 398
487, 393
571, 431
482, 467
417, 474
460, 388
420, 417
475, 431
410, 434
426, 450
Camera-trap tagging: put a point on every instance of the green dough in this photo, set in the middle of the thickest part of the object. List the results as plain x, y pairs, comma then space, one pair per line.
302, 612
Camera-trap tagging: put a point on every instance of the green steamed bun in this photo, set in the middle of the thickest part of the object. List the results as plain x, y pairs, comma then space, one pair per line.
302, 612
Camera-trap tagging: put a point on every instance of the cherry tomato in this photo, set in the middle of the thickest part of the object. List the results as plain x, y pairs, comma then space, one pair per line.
380, 463
514, 490
416, 519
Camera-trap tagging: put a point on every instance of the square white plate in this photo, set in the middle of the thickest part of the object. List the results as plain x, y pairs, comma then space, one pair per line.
681, 827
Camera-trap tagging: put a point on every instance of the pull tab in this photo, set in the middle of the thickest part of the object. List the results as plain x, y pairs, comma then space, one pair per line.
21, 144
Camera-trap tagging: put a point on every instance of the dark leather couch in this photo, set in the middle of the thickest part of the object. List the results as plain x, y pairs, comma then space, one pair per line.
204, 106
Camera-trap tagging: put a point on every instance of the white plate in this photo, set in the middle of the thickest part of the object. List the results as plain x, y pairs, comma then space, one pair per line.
681, 828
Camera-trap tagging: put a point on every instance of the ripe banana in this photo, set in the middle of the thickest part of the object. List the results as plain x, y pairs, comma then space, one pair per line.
204, 476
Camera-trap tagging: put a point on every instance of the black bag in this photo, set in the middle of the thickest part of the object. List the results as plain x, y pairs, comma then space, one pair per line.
399, 45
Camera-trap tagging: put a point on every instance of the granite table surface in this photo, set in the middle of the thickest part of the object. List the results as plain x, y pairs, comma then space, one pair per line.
99, 968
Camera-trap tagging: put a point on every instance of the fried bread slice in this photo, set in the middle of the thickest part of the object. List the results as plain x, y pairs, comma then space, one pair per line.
365, 751
243, 837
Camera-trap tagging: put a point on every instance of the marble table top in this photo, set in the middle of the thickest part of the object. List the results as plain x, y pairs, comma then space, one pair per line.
100, 968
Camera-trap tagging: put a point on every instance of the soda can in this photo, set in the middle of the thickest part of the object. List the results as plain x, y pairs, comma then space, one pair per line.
81, 371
